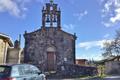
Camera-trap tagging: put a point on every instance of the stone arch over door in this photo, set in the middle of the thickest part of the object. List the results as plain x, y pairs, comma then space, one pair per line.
51, 58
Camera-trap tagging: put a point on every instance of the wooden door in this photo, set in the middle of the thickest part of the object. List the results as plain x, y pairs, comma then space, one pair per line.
51, 61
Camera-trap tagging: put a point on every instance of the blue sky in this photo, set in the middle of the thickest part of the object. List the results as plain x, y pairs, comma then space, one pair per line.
93, 21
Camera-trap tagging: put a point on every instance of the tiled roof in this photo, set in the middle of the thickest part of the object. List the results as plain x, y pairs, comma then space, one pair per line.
6, 37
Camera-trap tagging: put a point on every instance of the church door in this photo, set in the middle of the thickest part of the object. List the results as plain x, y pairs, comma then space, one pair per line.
51, 60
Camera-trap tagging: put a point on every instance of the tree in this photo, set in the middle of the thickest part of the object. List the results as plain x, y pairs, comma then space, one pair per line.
107, 49
113, 47
117, 43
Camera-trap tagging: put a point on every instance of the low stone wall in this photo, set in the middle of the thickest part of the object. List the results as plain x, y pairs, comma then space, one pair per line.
112, 68
71, 71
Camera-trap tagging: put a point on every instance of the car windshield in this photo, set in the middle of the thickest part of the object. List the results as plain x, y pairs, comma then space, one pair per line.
4, 71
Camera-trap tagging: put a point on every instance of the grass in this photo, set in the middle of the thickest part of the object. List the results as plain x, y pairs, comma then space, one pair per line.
97, 76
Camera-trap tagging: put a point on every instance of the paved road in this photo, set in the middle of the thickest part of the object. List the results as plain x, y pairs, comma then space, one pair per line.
106, 78
112, 78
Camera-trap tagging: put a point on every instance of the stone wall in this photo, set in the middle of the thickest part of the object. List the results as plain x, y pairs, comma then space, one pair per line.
70, 71
37, 43
112, 67
14, 55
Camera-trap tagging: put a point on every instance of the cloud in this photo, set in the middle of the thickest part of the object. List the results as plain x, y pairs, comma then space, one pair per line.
116, 17
106, 24
68, 27
90, 56
110, 12
81, 14
92, 44
106, 35
16, 7
10, 6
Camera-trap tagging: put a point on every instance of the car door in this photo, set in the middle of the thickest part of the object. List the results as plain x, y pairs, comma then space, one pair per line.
17, 72
28, 73
35, 72
24, 73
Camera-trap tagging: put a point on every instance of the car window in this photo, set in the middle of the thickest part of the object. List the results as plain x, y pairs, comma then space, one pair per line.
34, 69
21, 70
5, 71
15, 71
27, 70
24, 70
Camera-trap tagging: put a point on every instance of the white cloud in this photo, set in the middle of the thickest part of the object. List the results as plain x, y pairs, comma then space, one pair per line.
107, 24
91, 44
16, 7
116, 17
110, 12
68, 27
81, 14
91, 56
10, 6
106, 35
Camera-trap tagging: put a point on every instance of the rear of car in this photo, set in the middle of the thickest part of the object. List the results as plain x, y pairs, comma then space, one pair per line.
20, 72
5, 72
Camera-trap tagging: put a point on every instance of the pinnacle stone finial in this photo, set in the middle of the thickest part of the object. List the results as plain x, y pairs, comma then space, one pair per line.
51, 1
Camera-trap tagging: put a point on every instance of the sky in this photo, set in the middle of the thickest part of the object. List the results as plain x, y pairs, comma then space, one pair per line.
93, 21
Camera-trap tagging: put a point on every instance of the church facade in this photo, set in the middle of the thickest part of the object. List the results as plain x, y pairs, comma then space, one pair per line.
49, 46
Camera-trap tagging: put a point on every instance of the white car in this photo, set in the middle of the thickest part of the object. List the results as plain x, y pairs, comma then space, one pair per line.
20, 72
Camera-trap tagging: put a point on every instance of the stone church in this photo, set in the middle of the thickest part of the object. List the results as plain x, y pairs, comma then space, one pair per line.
49, 46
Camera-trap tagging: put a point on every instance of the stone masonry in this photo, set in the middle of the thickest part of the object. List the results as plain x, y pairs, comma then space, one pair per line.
49, 46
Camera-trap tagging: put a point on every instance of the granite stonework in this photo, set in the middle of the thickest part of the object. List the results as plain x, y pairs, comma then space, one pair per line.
112, 68
51, 39
9, 53
49, 46
73, 71
52, 49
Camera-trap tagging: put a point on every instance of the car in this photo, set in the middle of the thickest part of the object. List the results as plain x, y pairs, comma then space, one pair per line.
20, 72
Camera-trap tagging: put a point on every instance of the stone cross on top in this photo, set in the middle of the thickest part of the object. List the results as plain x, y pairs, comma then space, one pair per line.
51, 15
51, 1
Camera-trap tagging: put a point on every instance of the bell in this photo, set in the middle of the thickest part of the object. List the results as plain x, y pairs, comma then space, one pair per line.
47, 20
54, 20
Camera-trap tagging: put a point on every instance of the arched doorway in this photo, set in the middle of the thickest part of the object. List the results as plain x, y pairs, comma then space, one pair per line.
51, 58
